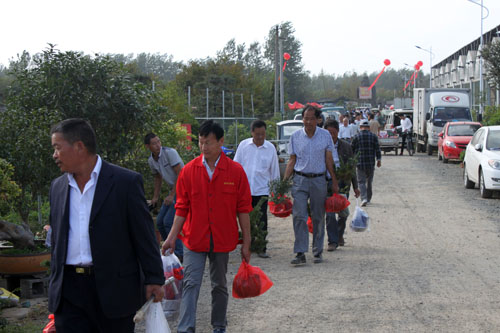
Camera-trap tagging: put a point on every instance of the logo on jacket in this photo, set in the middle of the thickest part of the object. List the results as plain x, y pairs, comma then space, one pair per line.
450, 99
229, 183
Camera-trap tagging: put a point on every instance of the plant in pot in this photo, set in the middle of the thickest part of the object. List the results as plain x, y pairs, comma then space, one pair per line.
24, 256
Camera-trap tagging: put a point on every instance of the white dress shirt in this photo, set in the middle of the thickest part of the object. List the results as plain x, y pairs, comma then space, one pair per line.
345, 132
209, 171
260, 164
406, 125
80, 206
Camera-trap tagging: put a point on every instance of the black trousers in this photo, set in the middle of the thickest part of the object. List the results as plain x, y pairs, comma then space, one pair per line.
263, 209
80, 311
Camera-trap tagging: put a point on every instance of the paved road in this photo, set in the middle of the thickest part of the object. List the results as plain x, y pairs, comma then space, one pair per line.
429, 264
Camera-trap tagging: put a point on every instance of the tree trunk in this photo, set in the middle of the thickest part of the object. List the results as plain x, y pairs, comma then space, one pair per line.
20, 236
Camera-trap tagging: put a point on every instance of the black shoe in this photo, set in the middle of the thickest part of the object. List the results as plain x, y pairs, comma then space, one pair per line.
299, 259
318, 258
263, 255
341, 241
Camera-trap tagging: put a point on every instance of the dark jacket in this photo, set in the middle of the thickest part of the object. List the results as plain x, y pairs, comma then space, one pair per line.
125, 252
345, 153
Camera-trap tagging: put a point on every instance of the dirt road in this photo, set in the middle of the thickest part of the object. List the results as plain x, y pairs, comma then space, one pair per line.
429, 264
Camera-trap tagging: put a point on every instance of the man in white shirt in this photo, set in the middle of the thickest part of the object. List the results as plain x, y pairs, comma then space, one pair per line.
406, 127
260, 162
346, 130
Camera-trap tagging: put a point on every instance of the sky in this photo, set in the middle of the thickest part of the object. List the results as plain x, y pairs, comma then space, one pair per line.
337, 36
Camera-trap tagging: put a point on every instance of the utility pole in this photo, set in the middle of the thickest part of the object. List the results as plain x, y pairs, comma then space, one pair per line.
276, 69
207, 103
282, 86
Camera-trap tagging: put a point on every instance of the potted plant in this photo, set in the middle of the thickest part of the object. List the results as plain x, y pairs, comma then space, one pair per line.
22, 256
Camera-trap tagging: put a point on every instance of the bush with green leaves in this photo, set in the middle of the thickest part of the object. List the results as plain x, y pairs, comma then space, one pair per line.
9, 190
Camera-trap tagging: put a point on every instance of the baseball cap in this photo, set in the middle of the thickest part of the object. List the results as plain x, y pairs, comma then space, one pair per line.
364, 123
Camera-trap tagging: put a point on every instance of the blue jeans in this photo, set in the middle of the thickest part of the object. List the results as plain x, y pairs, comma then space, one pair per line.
365, 180
335, 227
165, 221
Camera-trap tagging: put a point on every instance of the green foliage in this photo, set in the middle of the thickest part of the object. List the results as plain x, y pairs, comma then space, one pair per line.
55, 85
230, 138
278, 188
9, 190
491, 54
491, 116
257, 229
461, 157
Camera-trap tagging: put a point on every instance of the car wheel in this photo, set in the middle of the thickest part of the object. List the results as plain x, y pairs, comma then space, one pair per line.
445, 160
482, 188
467, 183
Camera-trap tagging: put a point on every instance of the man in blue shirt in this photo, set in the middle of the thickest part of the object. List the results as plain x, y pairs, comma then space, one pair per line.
365, 144
311, 155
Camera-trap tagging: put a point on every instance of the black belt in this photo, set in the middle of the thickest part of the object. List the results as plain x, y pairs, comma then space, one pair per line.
309, 175
84, 270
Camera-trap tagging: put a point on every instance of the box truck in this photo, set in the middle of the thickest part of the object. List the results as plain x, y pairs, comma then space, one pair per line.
432, 109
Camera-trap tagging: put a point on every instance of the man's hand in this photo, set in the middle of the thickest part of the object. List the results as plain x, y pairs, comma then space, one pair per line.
154, 201
156, 290
357, 193
168, 244
379, 163
168, 200
335, 187
245, 253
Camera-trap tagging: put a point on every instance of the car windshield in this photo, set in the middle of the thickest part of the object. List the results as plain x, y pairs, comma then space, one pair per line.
493, 140
287, 130
462, 130
443, 115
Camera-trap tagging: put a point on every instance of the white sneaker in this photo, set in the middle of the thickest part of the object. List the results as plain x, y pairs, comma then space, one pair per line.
364, 203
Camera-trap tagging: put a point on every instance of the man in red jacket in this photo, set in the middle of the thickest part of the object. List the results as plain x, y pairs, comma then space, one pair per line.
212, 191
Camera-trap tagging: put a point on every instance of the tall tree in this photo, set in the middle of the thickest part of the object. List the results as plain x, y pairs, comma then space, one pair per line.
296, 78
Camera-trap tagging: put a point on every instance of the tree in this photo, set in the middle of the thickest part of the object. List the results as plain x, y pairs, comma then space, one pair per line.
296, 78
57, 85
491, 54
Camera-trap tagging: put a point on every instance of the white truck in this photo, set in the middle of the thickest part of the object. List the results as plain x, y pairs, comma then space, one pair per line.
432, 109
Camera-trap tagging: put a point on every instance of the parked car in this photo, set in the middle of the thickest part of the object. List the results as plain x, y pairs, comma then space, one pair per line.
284, 131
482, 161
454, 139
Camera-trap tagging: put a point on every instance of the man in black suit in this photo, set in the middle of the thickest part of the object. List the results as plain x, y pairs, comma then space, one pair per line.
104, 249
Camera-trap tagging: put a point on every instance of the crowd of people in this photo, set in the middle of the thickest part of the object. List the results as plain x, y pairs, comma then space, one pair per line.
102, 234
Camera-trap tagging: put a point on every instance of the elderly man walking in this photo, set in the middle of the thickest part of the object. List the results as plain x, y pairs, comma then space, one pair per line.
311, 155
365, 144
258, 158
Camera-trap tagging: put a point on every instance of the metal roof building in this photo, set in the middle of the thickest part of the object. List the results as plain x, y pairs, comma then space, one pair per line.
461, 70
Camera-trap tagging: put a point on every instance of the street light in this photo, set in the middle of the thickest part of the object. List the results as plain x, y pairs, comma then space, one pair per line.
430, 62
480, 56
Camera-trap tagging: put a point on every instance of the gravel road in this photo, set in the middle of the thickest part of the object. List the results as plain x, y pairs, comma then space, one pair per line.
429, 263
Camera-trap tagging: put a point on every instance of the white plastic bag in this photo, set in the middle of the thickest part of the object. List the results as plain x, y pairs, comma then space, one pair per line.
172, 291
360, 221
155, 319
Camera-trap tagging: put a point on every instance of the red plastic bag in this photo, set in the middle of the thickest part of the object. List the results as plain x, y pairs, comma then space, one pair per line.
336, 203
310, 224
283, 209
51, 326
250, 281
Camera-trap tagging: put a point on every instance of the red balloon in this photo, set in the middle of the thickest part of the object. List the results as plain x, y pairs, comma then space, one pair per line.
420, 63
286, 56
387, 62
417, 67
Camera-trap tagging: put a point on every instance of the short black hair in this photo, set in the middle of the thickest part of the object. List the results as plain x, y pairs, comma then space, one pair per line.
210, 126
258, 124
77, 129
148, 137
332, 123
317, 111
